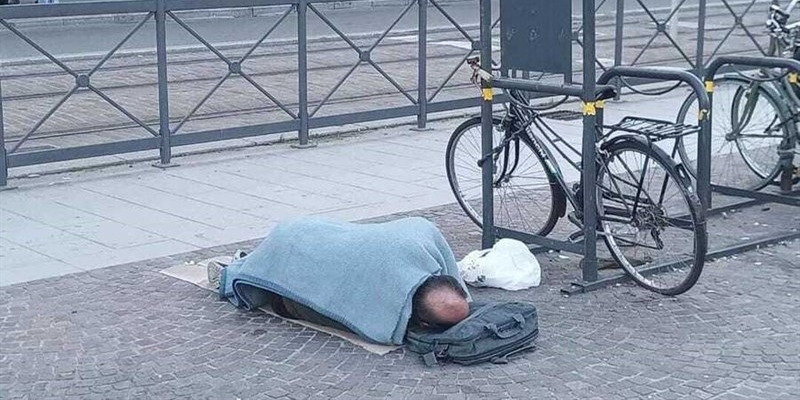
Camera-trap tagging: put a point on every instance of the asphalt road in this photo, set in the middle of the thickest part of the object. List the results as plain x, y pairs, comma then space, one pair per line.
80, 39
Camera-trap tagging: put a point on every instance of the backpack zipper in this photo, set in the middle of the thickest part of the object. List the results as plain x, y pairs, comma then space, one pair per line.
497, 351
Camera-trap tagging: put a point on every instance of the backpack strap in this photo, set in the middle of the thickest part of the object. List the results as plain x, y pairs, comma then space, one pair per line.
430, 359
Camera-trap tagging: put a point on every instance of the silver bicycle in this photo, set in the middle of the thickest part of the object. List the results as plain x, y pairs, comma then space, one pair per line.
756, 117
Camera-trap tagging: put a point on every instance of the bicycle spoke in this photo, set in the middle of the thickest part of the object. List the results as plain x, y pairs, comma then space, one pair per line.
641, 231
747, 132
523, 198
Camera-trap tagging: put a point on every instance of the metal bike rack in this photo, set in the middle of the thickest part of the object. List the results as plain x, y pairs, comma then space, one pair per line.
586, 92
652, 74
592, 115
704, 116
755, 197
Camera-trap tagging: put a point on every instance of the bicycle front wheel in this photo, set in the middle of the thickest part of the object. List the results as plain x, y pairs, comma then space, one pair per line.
526, 196
746, 134
649, 217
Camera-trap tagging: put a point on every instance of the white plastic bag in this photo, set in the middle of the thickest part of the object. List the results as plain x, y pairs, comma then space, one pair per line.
508, 265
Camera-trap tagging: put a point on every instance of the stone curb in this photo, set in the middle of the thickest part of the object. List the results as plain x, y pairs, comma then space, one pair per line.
267, 140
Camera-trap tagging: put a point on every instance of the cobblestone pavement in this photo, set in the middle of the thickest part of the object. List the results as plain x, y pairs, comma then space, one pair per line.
130, 332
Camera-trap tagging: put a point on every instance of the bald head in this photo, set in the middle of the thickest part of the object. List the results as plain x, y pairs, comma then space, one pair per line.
447, 307
440, 301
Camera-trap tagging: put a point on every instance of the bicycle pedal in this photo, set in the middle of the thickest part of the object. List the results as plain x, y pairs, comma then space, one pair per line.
575, 219
787, 180
575, 237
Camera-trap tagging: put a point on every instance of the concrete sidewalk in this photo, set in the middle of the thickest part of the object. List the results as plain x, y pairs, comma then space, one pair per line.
66, 223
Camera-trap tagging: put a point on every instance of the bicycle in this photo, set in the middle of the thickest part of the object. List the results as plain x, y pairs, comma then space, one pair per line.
645, 230
756, 117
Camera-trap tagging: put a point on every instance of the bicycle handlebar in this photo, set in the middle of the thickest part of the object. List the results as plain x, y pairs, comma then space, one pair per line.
533, 86
778, 19
527, 85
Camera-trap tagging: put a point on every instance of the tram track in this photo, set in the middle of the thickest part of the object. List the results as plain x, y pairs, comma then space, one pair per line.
239, 111
395, 57
324, 48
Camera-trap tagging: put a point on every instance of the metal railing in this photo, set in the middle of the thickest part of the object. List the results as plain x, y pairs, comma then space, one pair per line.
166, 131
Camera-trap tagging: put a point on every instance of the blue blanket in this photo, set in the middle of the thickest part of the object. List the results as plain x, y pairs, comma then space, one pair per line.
360, 275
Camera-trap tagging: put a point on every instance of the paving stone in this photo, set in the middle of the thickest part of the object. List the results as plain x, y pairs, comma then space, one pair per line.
144, 335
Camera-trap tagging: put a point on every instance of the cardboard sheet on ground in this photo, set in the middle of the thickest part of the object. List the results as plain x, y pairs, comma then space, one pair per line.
196, 274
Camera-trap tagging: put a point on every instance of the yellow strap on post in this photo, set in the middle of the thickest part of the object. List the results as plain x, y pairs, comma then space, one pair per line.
793, 78
710, 86
590, 108
488, 94
600, 104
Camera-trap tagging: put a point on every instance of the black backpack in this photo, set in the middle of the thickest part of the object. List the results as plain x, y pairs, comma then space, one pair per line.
492, 332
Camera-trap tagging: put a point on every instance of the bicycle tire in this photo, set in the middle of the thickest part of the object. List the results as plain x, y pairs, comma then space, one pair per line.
677, 211
759, 155
540, 194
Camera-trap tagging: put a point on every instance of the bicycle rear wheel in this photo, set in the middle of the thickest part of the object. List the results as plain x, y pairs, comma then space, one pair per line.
744, 139
649, 217
526, 196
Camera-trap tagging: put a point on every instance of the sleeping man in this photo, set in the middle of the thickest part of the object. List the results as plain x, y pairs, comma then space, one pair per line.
371, 279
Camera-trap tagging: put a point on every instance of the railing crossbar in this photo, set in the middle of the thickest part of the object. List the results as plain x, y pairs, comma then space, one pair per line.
43, 119
119, 45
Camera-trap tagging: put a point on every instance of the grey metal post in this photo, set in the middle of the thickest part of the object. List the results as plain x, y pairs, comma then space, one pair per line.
701, 39
487, 126
302, 72
163, 97
3, 163
589, 141
422, 65
704, 140
618, 42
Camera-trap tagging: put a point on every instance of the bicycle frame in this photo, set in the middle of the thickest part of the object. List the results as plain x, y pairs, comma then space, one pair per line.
541, 143
784, 84
531, 118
